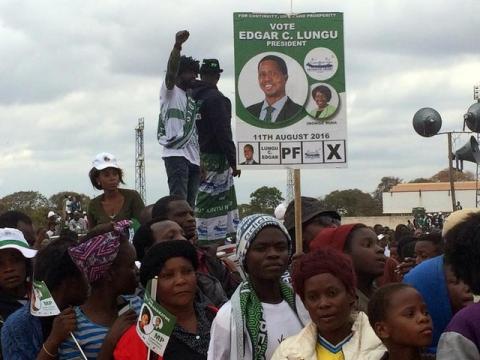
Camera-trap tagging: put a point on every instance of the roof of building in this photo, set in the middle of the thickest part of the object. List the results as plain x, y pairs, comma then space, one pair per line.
438, 186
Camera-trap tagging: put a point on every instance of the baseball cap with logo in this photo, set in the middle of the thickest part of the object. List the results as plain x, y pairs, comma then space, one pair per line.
210, 66
311, 207
105, 160
14, 239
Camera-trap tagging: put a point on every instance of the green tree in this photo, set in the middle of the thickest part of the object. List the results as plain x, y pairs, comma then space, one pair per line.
420, 180
31, 203
352, 202
244, 210
265, 200
386, 183
442, 176
57, 201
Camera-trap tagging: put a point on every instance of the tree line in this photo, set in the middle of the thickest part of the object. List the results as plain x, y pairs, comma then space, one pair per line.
37, 206
350, 202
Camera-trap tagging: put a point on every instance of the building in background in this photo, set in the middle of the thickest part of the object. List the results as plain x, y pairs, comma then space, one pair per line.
434, 197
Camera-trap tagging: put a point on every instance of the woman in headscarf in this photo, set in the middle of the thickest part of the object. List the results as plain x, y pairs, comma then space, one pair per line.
115, 203
174, 262
263, 310
108, 262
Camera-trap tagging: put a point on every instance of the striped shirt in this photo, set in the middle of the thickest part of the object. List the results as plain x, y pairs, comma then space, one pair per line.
90, 335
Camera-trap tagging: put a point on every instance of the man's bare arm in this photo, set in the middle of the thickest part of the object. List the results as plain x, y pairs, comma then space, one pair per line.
174, 59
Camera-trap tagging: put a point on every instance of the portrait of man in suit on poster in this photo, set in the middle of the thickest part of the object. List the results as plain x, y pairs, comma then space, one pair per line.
272, 79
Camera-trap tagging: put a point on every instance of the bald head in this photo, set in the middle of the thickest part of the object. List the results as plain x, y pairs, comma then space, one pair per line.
166, 230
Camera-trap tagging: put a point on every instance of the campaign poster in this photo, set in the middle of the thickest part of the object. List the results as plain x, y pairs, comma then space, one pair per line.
154, 324
41, 300
290, 90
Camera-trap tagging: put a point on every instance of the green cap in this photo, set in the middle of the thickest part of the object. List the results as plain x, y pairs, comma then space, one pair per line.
210, 66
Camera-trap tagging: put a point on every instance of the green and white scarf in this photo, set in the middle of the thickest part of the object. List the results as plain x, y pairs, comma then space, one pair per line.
247, 316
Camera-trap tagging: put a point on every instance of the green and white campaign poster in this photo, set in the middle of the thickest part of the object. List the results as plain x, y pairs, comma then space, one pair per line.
41, 301
155, 324
290, 90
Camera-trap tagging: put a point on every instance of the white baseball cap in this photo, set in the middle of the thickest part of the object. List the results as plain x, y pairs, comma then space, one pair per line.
14, 239
50, 214
105, 160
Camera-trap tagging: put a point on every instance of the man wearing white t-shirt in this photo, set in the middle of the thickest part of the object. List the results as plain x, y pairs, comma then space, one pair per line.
176, 125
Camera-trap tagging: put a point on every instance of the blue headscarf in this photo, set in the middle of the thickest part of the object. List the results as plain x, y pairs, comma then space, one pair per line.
429, 279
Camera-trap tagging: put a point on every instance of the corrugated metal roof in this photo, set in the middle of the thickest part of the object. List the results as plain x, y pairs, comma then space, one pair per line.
439, 186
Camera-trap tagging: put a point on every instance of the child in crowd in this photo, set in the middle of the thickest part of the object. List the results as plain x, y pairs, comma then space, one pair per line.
325, 281
108, 262
25, 336
263, 310
400, 318
443, 293
360, 243
428, 246
175, 263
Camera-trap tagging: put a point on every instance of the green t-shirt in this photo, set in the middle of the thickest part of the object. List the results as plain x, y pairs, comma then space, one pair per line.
132, 206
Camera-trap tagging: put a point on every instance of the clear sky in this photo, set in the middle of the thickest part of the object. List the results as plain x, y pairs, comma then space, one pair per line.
76, 75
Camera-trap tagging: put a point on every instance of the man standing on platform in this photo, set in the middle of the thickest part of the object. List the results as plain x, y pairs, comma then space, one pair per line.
176, 123
216, 207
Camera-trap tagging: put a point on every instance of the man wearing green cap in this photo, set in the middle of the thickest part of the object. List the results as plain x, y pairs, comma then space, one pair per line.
216, 206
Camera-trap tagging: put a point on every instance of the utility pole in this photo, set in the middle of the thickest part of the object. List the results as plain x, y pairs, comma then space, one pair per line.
476, 96
140, 179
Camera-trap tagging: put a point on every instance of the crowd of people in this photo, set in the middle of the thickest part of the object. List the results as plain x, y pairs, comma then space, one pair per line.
351, 292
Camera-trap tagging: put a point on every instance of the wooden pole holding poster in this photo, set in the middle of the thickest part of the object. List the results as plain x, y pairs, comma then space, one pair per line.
298, 212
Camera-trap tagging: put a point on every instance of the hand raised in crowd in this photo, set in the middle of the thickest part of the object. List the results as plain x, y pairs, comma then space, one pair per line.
181, 37
405, 266
63, 324
236, 173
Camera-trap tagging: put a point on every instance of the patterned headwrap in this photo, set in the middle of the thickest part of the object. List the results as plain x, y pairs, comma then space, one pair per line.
95, 256
249, 228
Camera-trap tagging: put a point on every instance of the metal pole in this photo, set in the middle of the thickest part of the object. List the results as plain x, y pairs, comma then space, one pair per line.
450, 171
298, 213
